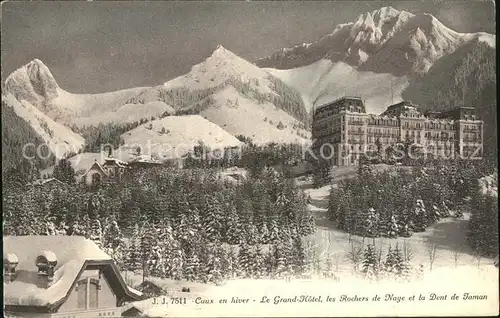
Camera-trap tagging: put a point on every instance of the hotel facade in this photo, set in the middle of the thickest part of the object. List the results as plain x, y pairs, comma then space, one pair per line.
342, 131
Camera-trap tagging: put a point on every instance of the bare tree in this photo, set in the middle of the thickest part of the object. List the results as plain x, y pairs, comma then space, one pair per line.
355, 253
336, 266
478, 256
456, 254
407, 251
431, 252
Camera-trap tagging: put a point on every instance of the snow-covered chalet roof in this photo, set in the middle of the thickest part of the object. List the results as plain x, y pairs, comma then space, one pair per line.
97, 166
72, 253
118, 162
45, 181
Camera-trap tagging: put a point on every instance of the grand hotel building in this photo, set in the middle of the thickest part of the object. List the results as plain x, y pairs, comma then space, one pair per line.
344, 127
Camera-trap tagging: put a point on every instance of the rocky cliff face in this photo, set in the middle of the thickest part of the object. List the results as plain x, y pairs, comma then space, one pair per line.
33, 82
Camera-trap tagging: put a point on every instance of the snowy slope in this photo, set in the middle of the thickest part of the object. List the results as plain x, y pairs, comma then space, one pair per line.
60, 139
127, 113
240, 115
182, 133
324, 81
236, 95
485, 37
383, 41
95, 107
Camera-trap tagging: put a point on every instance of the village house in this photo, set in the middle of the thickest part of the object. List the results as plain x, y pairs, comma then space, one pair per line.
144, 162
112, 170
62, 276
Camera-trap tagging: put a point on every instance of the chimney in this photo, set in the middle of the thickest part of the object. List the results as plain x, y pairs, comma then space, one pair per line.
10, 262
46, 262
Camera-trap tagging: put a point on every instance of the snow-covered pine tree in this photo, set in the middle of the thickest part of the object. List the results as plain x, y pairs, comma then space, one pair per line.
148, 243
274, 230
113, 240
393, 227
234, 264
211, 219
76, 228
210, 263
406, 271
96, 232
328, 268
246, 260
418, 217
225, 262
175, 261
370, 263
192, 267
371, 223
398, 262
233, 226
251, 234
279, 260
264, 234
133, 259
299, 261
259, 262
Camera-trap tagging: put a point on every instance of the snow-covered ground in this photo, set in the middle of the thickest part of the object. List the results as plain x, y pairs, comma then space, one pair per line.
448, 235
320, 83
181, 134
127, 113
456, 271
260, 297
240, 115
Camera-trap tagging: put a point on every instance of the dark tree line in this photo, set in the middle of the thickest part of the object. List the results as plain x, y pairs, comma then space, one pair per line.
16, 134
398, 203
188, 224
109, 133
254, 158
483, 224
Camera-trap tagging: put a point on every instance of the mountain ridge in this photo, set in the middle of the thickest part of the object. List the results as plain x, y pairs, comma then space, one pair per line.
414, 41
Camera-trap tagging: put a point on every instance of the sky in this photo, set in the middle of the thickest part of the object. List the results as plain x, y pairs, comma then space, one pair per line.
94, 47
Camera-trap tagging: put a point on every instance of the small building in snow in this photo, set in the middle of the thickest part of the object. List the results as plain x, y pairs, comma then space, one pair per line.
50, 182
112, 170
62, 276
144, 162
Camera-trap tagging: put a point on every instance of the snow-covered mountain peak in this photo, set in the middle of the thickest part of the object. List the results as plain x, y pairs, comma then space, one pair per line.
377, 26
221, 50
221, 66
387, 12
32, 82
383, 41
221, 53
